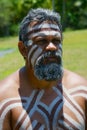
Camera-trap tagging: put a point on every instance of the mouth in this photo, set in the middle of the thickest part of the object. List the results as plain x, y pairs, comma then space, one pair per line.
50, 60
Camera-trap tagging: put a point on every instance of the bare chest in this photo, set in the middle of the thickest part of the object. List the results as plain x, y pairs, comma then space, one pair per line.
61, 112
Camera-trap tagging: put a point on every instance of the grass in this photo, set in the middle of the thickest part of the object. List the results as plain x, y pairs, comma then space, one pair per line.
12, 61
74, 53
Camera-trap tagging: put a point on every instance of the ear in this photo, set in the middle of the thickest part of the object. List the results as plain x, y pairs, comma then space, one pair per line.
22, 49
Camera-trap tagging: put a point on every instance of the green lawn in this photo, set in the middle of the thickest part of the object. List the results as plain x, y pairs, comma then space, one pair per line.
74, 53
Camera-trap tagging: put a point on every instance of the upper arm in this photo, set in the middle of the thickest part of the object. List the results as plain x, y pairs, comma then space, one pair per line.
5, 122
73, 80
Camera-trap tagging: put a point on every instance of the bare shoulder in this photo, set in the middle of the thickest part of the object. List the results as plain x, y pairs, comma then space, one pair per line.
72, 79
8, 86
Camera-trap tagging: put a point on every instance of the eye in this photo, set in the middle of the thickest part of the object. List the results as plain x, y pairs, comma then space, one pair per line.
41, 41
56, 41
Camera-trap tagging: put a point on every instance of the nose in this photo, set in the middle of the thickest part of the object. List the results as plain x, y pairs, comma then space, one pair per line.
51, 47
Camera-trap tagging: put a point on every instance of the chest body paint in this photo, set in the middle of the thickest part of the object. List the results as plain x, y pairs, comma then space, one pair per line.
36, 114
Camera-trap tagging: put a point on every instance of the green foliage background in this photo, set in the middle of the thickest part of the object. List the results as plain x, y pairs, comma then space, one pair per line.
73, 13
73, 17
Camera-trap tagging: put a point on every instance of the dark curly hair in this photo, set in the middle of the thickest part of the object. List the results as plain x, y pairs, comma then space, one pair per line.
39, 15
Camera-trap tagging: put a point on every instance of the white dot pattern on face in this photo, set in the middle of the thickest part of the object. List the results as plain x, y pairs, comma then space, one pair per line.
29, 43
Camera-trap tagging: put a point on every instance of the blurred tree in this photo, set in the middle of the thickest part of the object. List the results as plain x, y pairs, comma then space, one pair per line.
5, 15
13, 11
73, 12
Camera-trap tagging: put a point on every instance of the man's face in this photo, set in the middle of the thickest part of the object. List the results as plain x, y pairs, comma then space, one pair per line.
45, 51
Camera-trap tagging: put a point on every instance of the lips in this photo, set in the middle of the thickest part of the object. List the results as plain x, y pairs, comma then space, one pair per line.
50, 60
49, 57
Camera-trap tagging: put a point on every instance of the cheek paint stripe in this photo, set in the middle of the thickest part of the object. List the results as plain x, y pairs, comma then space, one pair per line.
35, 55
31, 50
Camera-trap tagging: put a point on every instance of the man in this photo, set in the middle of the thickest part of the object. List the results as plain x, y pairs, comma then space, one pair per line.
42, 95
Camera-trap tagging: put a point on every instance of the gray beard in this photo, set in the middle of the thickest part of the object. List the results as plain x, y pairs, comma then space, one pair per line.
49, 71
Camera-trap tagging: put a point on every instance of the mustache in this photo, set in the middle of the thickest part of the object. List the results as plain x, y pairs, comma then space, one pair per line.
55, 54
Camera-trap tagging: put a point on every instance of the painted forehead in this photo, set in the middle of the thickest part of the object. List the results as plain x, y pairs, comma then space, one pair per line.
43, 29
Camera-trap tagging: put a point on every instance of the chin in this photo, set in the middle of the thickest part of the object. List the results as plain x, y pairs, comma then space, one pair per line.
49, 72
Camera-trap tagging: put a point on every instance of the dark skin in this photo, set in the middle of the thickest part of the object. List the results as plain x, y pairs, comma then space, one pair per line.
46, 45
23, 82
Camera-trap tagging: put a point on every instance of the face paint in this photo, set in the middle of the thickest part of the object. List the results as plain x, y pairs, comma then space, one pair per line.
48, 71
34, 52
45, 33
35, 55
29, 43
43, 26
31, 50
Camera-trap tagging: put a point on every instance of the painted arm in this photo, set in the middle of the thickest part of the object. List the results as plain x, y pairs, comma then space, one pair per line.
5, 124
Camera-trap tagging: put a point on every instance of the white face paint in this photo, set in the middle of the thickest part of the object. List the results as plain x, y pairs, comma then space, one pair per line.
44, 28
46, 33
33, 54
41, 30
29, 43
44, 25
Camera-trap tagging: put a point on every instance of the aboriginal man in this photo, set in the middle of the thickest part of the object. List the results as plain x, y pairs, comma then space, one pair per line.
42, 95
